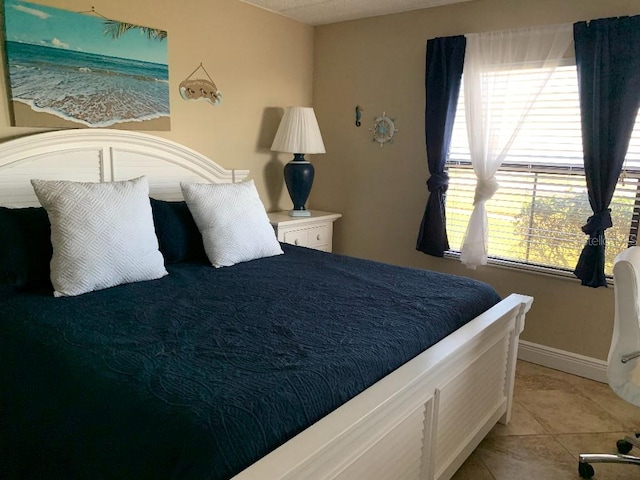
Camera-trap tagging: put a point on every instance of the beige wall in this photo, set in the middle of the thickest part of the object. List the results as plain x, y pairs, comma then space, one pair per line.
261, 62
378, 63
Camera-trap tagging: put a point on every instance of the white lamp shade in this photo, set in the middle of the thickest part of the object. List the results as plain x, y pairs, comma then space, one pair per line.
298, 132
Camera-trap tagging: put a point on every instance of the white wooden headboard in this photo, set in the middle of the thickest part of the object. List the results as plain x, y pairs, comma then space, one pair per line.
103, 155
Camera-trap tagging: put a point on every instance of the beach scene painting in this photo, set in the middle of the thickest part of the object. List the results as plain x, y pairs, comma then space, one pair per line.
73, 70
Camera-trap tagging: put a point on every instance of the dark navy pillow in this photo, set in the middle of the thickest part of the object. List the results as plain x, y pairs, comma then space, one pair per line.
25, 247
178, 235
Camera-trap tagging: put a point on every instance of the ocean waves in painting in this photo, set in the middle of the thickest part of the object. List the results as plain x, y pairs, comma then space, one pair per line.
94, 90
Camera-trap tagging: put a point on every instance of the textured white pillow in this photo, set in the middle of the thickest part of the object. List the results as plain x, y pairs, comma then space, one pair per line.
232, 220
102, 234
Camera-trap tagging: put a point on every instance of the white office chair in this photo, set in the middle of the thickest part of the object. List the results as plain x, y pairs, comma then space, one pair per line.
623, 370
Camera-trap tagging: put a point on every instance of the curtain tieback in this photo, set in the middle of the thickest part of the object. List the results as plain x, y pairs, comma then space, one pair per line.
485, 189
598, 221
438, 181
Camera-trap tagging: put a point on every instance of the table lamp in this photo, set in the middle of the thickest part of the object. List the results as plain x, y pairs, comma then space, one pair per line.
298, 133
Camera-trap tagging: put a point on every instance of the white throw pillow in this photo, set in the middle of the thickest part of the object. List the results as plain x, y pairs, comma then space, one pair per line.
232, 220
102, 234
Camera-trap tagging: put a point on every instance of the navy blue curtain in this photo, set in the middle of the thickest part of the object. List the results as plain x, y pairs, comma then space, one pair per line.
445, 57
608, 63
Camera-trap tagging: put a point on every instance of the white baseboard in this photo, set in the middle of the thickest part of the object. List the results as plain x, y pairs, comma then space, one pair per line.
562, 360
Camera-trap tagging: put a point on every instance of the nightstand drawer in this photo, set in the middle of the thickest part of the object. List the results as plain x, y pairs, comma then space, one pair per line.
297, 237
318, 235
312, 231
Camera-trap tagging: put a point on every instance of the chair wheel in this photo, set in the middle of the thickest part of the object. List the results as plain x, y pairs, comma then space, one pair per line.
624, 447
585, 470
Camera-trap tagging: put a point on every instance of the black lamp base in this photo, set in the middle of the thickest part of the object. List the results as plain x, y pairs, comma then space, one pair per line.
298, 176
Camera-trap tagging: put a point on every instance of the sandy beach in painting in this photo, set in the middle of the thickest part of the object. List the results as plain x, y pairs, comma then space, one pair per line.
24, 115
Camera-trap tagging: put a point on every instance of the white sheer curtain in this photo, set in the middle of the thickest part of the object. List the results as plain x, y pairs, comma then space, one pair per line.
496, 103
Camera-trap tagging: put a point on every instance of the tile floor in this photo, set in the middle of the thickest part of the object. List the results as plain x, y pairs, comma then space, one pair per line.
555, 417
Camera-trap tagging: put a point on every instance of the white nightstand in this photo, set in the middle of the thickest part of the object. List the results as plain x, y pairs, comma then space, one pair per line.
315, 231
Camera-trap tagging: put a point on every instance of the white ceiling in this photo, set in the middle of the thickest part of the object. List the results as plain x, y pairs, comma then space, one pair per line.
320, 12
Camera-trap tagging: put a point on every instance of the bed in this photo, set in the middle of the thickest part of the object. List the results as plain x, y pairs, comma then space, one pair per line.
309, 365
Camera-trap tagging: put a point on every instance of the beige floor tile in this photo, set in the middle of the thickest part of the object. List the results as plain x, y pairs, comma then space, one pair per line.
569, 412
473, 469
521, 423
621, 410
555, 417
526, 457
600, 443
534, 378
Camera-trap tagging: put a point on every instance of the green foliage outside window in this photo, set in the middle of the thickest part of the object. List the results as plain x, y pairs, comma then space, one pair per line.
544, 221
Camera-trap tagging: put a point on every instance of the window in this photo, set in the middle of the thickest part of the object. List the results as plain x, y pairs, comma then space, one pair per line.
536, 216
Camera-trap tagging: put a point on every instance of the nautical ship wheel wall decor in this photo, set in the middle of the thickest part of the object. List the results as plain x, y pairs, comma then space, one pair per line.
383, 129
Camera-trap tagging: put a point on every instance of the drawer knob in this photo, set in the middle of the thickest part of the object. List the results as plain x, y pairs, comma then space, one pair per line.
295, 242
318, 237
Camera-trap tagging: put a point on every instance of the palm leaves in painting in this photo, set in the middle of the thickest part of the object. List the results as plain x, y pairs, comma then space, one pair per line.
116, 29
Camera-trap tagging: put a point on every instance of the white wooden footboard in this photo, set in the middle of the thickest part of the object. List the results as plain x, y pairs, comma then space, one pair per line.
421, 421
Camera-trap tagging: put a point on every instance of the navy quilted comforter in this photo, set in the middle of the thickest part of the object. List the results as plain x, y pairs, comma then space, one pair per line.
199, 374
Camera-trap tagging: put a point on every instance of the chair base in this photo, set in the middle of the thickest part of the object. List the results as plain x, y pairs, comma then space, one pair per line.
585, 460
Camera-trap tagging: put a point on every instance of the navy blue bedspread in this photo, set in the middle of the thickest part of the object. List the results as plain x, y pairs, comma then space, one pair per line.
199, 374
